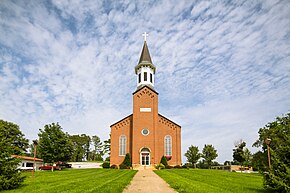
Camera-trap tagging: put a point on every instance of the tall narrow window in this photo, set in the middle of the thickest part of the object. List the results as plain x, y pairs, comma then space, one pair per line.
139, 78
151, 78
145, 76
122, 146
168, 145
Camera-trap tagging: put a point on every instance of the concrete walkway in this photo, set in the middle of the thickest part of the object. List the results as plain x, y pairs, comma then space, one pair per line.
146, 181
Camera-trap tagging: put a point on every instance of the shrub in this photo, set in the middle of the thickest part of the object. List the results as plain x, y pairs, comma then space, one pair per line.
123, 166
114, 166
127, 161
184, 166
161, 166
164, 161
168, 167
106, 165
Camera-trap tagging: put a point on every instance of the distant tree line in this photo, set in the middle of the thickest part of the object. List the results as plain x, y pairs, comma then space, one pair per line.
56, 145
53, 145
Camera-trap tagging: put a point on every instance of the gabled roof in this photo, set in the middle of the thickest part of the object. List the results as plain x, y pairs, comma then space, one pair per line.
168, 120
26, 158
143, 86
121, 120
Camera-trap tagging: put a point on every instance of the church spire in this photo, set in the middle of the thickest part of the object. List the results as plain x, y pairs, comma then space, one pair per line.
145, 69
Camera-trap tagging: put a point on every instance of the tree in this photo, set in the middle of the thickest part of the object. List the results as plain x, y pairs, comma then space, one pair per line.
192, 155
209, 153
98, 148
248, 157
12, 141
127, 161
107, 148
81, 147
239, 153
163, 161
54, 145
277, 177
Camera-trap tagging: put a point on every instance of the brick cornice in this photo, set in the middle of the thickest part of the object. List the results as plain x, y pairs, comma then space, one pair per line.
145, 86
121, 120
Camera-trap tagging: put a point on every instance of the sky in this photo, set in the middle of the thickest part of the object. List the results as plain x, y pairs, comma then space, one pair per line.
222, 67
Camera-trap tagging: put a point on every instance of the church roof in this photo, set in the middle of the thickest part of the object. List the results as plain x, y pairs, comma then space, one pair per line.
145, 59
121, 120
143, 86
145, 55
168, 119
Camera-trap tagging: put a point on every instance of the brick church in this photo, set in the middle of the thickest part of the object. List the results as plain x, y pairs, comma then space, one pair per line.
146, 134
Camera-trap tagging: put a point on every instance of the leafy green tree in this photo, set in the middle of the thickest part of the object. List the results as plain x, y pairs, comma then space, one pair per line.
81, 145
98, 148
239, 153
209, 153
248, 157
277, 177
107, 147
54, 145
193, 155
12, 141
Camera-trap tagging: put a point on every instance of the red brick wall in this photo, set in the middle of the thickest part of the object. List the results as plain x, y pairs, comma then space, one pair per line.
144, 98
123, 127
157, 125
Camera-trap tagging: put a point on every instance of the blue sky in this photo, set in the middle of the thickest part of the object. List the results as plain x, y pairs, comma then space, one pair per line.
223, 67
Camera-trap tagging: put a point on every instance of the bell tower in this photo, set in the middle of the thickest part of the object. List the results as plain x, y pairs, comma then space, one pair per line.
145, 70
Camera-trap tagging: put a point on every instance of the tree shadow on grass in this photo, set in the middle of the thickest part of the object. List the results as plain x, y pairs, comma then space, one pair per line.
256, 190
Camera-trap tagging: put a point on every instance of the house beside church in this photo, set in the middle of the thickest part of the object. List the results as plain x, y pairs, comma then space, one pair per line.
145, 134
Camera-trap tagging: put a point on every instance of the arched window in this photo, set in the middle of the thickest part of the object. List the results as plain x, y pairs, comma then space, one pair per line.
167, 145
122, 145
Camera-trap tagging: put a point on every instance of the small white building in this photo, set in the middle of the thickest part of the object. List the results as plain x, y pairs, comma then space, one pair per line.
27, 162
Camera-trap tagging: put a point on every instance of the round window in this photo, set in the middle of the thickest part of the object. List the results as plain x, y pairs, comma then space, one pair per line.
145, 131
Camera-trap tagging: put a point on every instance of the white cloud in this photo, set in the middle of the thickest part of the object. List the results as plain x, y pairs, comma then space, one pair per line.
222, 68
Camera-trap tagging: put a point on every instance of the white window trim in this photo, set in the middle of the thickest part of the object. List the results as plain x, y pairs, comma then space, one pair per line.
168, 146
122, 145
145, 134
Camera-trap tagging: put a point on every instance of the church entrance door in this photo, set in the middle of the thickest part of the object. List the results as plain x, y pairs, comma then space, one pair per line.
145, 157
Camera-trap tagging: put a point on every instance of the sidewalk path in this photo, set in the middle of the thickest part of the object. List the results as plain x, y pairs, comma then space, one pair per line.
146, 181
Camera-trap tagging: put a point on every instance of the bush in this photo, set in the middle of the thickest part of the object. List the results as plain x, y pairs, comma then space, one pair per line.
161, 166
127, 161
184, 166
123, 166
114, 166
168, 167
177, 167
164, 161
106, 165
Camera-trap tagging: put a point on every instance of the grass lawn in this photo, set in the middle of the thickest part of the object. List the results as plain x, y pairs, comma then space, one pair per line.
76, 180
211, 181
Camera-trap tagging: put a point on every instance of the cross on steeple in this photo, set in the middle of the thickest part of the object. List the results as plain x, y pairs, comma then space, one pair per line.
145, 36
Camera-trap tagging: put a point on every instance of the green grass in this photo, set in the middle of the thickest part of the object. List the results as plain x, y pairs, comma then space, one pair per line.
76, 180
211, 181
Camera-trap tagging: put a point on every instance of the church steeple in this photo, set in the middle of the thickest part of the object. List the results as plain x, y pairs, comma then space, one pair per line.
145, 69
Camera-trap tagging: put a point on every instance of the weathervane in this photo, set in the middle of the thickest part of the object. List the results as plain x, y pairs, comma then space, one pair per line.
145, 36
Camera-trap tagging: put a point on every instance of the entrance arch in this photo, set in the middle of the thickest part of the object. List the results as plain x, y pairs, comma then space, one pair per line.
145, 157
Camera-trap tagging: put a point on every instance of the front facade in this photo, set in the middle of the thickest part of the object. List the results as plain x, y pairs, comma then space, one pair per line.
145, 134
